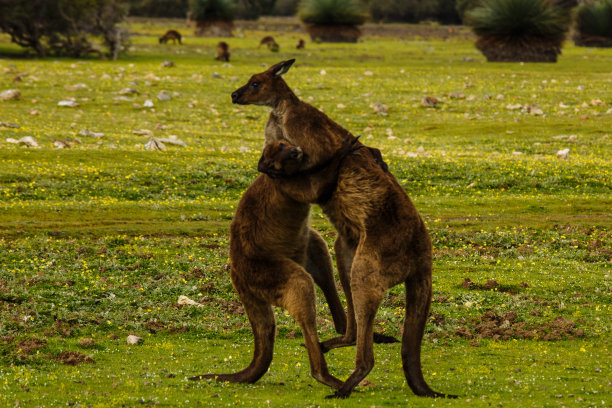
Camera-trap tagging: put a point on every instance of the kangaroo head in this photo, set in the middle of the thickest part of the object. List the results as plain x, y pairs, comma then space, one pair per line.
280, 158
265, 88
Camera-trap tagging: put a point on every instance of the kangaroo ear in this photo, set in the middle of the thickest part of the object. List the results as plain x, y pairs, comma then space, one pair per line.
282, 67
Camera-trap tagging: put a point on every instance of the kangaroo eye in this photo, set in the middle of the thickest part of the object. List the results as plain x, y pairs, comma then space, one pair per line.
255, 84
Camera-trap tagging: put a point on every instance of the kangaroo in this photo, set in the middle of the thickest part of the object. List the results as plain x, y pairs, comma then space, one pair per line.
170, 35
382, 240
301, 44
268, 246
223, 53
270, 43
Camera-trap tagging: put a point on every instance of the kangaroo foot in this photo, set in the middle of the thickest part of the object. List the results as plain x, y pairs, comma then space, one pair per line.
380, 338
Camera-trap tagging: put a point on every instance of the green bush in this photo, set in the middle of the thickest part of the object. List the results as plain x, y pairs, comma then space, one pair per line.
159, 8
63, 27
519, 18
595, 19
463, 6
213, 10
332, 12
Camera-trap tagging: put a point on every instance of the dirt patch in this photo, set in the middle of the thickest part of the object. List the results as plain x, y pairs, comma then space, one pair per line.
492, 284
504, 327
438, 319
7, 339
63, 328
72, 358
31, 345
87, 343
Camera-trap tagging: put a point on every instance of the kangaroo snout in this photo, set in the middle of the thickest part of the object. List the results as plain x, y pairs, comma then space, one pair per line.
236, 95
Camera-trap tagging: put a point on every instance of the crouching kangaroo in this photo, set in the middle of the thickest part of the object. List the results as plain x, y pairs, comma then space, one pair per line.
382, 240
170, 35
268, 246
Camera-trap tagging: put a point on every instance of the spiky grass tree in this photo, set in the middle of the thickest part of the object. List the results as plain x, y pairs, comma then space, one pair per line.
594, 24
214, 18
519, 30
332, 20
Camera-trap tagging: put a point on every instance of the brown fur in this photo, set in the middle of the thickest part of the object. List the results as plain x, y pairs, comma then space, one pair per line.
270, 243
301, 44
269, 42
382, 239
223, 53
170, 35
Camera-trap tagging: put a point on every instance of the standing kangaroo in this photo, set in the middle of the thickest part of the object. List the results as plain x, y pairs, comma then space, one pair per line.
382, 239
268, 246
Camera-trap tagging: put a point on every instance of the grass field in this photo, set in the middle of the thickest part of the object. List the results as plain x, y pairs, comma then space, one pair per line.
98, 241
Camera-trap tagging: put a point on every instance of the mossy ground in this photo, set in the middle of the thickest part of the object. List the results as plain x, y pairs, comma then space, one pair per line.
99, 240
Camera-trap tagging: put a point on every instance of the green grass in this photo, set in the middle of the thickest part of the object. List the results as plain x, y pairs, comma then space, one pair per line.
99, 240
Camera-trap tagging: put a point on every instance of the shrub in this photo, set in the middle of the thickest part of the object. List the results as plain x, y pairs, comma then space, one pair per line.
252, 9
285, 7
519, 30
63, 27
463, 6
159, 8
332, 12
594, 24
519, 18
213, 10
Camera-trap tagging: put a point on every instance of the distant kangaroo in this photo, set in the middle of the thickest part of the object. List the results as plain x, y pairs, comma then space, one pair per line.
270, 43
301, 44
269, 241
170, 35
382, 240
223, 53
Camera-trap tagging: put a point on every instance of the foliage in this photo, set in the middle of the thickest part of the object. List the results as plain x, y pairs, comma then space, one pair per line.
332, 12
62, 26
519, 18
159, 8
252, 9
286, 7
595, 18
463, 6
413, 10
27, 22
212, 10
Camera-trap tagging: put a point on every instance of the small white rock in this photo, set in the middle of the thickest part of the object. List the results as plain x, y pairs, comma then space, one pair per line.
131, 339
27, 141
148, 103
184, 300
68, 104
164, 96
155, 144
10, 94
89, 133
562, 154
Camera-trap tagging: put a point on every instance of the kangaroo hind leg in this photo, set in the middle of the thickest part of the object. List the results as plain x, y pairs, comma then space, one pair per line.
319, 266
298, 298
262, 322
